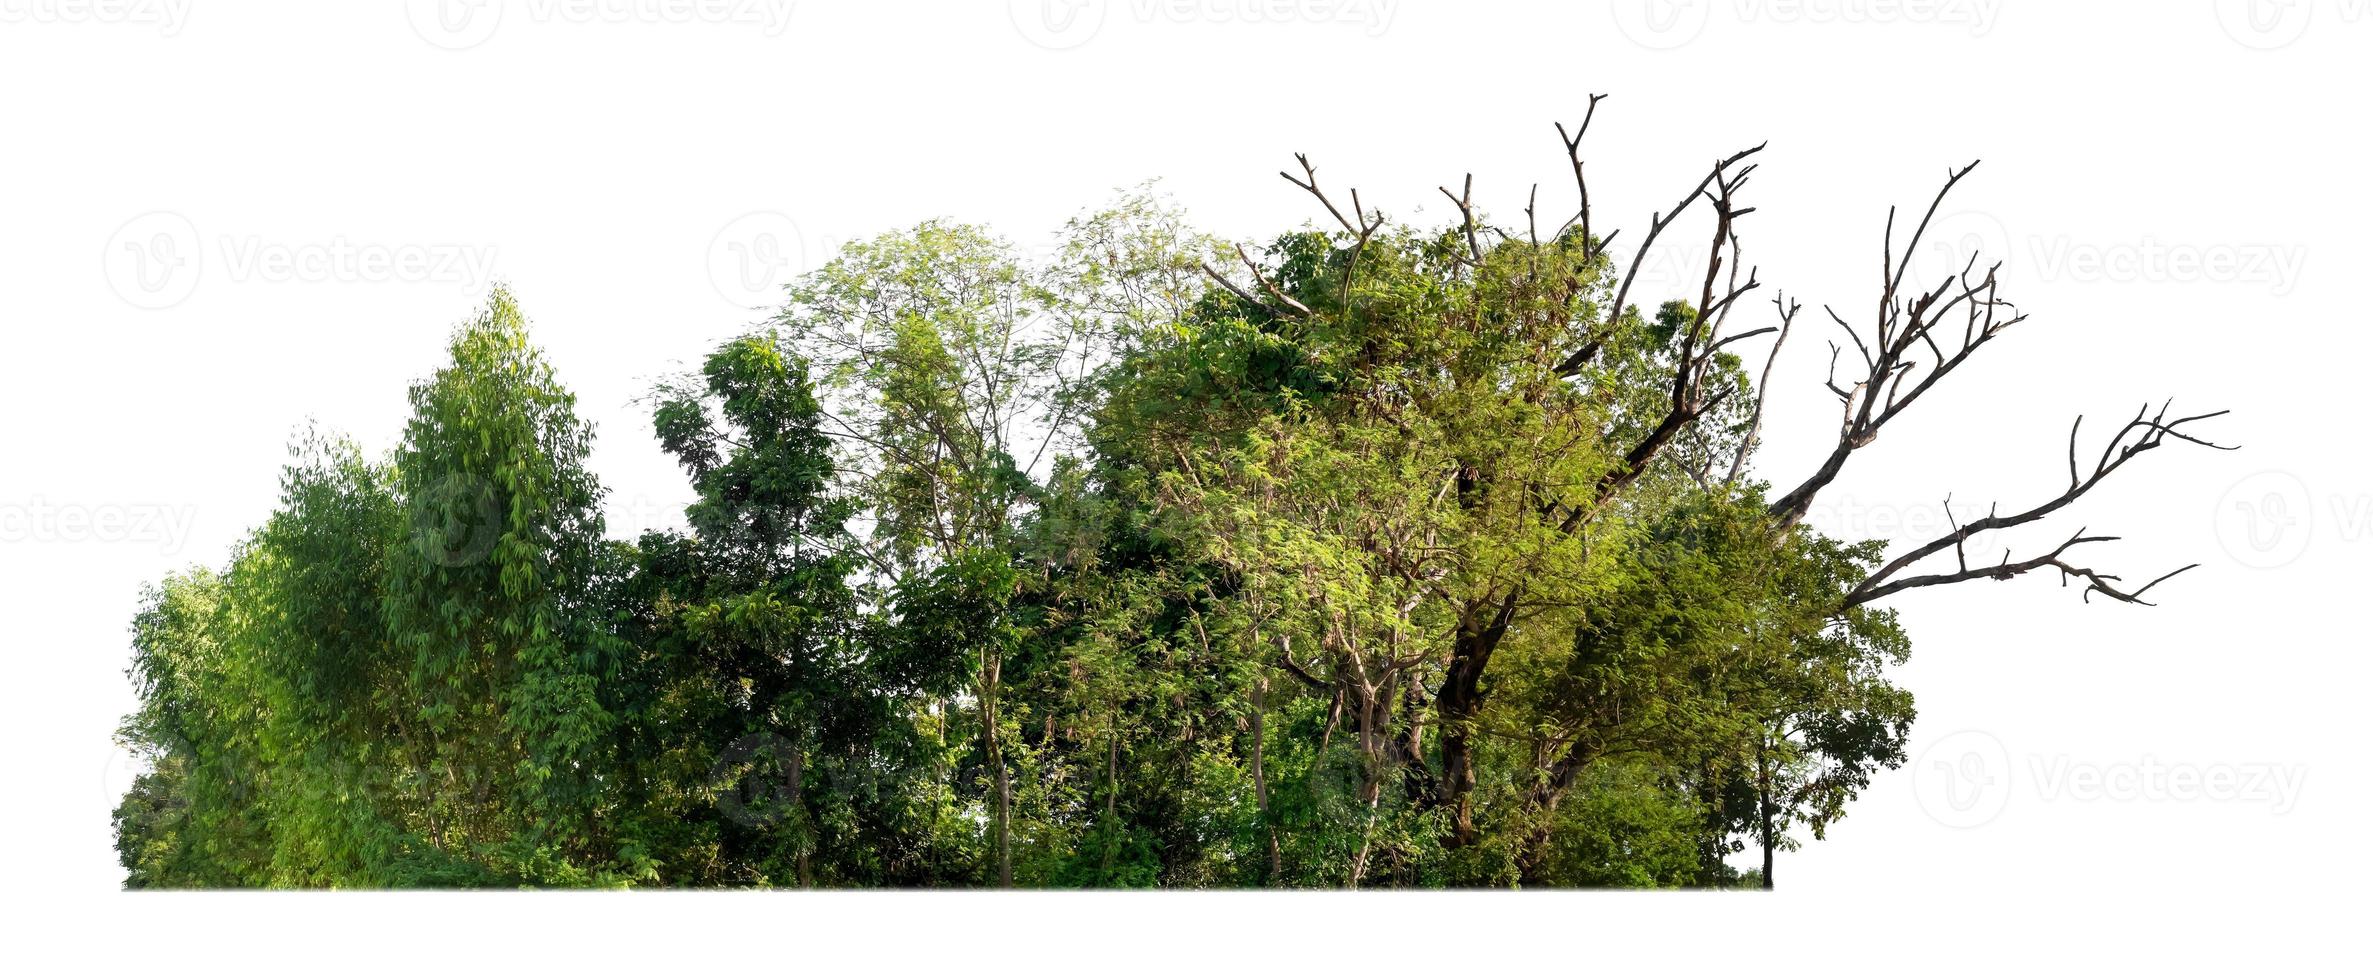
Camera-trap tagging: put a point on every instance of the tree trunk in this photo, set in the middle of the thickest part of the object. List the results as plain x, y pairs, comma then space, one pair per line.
1260, 776
1374, 791
799, 806
1763, 812
1001, 787
1460, 701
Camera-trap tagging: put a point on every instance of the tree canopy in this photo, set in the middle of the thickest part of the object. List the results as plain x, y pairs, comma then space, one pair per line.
1379, 555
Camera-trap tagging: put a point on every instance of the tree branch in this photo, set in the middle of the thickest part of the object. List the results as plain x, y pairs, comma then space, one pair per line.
2147, 431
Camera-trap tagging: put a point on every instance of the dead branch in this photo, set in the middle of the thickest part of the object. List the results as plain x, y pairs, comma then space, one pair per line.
2147, 431
1738, 462
1309, 182
1255, 267
1465, 200
1697, 342
1657, 223
1573, 144
2007, 569
1241, 293
1360, 232
1892, 378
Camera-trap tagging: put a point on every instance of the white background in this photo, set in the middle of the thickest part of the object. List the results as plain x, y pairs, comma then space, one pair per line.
2177, 190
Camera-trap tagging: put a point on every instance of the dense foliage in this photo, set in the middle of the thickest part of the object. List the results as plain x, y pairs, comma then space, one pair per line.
1101, 571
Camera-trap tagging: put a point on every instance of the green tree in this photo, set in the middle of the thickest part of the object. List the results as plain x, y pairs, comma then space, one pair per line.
1379, 555
491, 605
764, 629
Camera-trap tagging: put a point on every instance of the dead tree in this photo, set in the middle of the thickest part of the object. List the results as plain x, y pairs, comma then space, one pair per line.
1901, 359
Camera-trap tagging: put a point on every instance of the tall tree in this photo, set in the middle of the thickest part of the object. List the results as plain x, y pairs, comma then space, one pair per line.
491, 605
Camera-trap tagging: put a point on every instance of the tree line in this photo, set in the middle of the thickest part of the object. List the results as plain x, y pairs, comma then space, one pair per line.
1379, 555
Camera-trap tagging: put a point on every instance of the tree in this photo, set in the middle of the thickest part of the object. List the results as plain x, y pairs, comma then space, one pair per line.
758, 622
492, 608
1374, 555
1434, 442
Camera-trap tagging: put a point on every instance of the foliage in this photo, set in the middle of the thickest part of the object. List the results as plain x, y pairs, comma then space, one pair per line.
1103, 571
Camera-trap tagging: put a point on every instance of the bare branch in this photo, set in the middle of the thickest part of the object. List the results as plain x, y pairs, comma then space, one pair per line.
1240, 292
1255, 267
1309, 182
1465, 200
1573, 144
1892, 380
1738, 461
2005, 570
1657, 223
2146, 432
1532, 226
1697, 343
